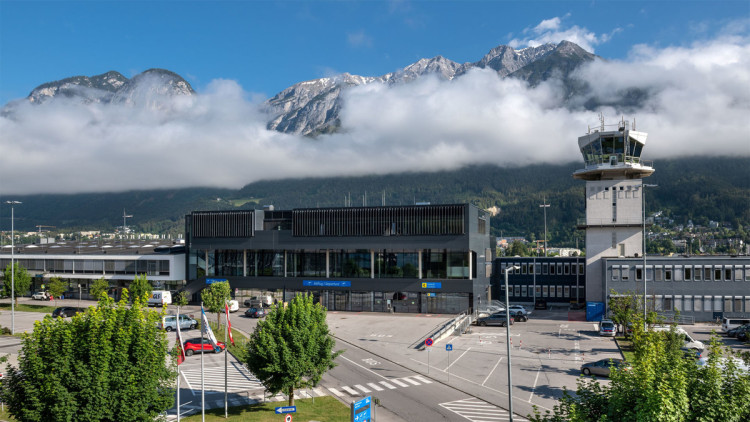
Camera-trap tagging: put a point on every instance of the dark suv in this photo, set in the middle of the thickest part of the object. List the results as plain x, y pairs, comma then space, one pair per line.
66, 311
495, 319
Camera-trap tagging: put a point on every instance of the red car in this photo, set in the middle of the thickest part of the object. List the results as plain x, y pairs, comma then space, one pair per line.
194, 346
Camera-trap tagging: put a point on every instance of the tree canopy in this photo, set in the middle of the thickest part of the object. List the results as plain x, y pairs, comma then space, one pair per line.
140, 288
21, 280
98, 287
292, 348
214, 297
107, 364
56, 287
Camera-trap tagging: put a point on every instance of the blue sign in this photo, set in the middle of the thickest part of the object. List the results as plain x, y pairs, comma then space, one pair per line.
286, 409
326, 283
216, 280
432, 285
361, 410
431, 295
448, 347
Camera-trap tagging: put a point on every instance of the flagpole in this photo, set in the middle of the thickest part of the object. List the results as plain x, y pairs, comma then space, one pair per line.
203, 395
179, 347
226, 359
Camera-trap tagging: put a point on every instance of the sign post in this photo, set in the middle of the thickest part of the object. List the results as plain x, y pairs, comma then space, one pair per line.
362, 410
429, 342
448, 348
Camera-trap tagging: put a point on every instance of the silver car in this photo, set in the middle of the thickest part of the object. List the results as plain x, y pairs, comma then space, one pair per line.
169, 323
602, 367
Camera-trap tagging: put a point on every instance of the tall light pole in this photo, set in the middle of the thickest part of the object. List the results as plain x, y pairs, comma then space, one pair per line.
507, 340
12, 267
545, 205
645, 296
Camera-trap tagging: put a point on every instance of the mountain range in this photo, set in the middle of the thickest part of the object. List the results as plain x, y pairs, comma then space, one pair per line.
313, 107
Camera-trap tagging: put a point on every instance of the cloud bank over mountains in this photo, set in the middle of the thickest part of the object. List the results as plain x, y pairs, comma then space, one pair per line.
697, 103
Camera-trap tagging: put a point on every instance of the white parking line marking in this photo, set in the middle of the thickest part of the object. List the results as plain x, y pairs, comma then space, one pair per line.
362, 388
421, 378
535, 381
452, 363
375, 386
493, 370
385, 384
399, 383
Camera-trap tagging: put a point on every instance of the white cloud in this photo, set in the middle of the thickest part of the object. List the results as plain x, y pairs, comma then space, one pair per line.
553, 31
698, 105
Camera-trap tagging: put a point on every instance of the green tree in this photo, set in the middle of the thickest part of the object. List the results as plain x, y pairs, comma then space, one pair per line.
56, 288
99, 287
140, 288
21, 281
292, 348
107, 364
214, 296
180, 299
518, 248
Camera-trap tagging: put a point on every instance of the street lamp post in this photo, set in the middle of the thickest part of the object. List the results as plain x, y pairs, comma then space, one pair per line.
545, 205
507, 340
645, 278
12, 267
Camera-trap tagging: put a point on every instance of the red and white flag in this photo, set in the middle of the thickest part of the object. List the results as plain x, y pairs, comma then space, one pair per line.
181, 356
229, 324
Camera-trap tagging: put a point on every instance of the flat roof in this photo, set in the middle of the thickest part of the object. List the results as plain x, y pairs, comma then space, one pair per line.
128, 247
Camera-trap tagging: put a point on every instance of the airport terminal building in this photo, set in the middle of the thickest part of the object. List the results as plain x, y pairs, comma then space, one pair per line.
415, 259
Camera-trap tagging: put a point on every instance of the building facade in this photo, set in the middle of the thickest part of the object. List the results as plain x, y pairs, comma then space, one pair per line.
552, 279
422, 258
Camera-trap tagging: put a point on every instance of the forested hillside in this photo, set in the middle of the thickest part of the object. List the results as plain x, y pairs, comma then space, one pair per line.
700, 189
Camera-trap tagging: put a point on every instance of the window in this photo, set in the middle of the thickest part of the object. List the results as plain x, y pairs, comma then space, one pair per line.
545, 291
717, 274
707, 273
747, 273
523, 268
737, 273
517, 290
615, 273
524, 290
625, 272
747, 303
728, 273
559, 291
698, 303
667, 303
544, 268
574, 269
580, 269
668, 274
639, 273
658, 273
552, 269
687, 304
518, 268
737, 304
678, 273
688, 273
559, 268
707, 303
717, 304
538, 268
538, 291
551, 291
698, 271
566, 289
567, 269
727, 303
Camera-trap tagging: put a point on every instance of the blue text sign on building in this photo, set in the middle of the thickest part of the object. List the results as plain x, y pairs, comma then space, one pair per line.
432, 285
286, 409
449, 347
361, 410
215, 280
326, 283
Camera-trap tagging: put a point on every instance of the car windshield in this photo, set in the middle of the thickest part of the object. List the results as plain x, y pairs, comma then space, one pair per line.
608, 325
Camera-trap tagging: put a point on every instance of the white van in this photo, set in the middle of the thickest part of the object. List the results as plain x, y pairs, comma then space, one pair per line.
690, 343
160, 298
728, 323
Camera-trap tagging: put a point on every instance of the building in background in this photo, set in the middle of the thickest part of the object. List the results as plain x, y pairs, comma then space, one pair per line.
418, 259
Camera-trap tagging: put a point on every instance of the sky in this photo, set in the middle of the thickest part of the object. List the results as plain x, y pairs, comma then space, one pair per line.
692, 56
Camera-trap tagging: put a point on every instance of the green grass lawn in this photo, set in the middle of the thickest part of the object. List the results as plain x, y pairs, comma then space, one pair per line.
626, 346
325, 409
24, 307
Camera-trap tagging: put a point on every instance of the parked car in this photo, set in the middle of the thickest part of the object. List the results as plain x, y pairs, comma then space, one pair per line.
540, 304
194, 346
234, 306
743, 335
256, 313
607, 328
690, 343
734, 332
497, 318
489, 310
739, 364
519, 308
519, 315
40, 296
160, 298
603, 367
169, 323
259, 301
728, 323
66, 311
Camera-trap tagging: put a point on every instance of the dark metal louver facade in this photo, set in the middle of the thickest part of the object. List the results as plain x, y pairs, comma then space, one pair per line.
420, 220
222, 224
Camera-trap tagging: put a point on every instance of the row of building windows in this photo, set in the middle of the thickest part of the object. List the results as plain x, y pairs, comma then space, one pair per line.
435, 263
555, 268
93, 266
557, 291
680, 273
699, 303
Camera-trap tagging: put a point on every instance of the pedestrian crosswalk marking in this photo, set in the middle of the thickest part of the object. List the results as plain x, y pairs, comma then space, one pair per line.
399, 383
336, 392
350, 391
477, 410
362, 388
424, 380
238, 378
411, 381
375, 386
385, 384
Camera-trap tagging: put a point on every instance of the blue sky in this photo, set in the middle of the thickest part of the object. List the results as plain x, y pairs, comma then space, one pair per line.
267, 46
691, 57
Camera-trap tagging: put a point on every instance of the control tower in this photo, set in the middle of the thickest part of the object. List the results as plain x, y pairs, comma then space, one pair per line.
614, 175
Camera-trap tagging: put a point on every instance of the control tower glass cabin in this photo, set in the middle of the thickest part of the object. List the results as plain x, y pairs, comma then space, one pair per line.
613, 152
